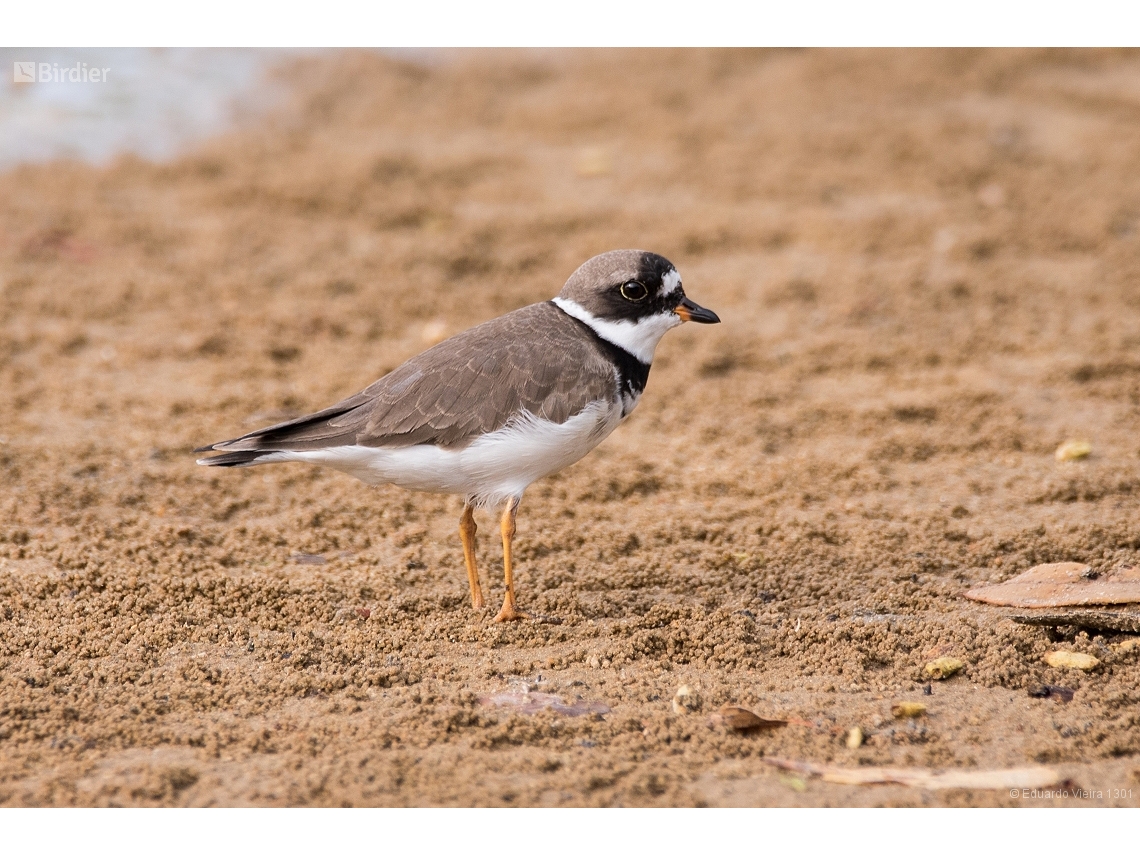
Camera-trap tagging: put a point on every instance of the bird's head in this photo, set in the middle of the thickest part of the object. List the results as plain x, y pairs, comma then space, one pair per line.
630, 298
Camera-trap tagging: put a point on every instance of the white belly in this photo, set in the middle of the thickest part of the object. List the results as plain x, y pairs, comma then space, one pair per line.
489, 470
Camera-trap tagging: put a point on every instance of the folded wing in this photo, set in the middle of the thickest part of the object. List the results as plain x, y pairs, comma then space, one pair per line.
532, 360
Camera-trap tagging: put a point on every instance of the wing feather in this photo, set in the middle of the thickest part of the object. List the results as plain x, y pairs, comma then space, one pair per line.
532, 360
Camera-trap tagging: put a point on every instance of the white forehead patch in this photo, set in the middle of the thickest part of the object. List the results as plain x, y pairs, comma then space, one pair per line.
639, 339
670, 282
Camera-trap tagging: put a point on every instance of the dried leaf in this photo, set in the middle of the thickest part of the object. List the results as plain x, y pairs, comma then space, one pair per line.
529, 703
908, 709
739, 718
943, 667
307, 558
1064, 584
1095, 619
1069, 659
1058, 692
348, 614
1073, 449
927, 779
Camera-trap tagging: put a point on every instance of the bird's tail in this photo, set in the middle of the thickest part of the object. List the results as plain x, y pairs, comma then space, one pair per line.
274, 443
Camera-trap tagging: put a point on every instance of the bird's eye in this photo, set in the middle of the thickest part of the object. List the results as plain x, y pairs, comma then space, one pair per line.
634, 291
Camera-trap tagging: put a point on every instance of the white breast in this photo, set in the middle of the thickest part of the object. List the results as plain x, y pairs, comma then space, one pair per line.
491, 469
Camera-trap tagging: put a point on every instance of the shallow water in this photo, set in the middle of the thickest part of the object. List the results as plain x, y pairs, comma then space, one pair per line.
154, 102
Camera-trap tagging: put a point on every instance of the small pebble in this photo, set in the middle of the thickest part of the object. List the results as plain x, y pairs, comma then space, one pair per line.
794, 782
686, 700
1073, 449
943, 667
593, 162
1069, 659
908, 709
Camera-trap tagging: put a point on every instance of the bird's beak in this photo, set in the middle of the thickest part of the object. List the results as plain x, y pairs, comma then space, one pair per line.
690, 311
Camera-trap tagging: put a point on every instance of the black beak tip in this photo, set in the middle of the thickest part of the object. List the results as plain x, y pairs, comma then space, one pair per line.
697, 314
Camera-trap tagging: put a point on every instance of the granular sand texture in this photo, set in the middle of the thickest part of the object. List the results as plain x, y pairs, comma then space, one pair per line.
926, 264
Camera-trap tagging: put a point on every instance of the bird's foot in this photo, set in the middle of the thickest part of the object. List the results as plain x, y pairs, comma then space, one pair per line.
509, 612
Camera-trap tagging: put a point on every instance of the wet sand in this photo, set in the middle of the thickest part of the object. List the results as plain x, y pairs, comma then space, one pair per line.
926, 264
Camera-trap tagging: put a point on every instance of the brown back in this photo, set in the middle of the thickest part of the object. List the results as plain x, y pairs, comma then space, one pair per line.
536, 359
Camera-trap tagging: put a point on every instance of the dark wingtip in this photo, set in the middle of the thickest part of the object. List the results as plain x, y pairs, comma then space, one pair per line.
233, 458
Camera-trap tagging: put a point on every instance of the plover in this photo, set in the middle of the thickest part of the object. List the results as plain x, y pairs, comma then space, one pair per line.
489, 411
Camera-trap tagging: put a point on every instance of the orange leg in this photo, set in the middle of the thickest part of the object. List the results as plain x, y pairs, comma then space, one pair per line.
467, 535
507, 526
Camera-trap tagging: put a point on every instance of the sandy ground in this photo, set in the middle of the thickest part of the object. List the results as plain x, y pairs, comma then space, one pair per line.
926, 265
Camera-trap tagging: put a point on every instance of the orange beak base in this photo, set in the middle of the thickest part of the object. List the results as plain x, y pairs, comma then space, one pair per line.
690, 311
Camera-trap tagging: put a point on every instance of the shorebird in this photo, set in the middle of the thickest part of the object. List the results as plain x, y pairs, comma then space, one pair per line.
489, 411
